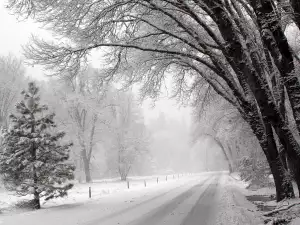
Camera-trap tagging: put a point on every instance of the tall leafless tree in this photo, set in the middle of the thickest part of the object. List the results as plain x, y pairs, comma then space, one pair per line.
236, 46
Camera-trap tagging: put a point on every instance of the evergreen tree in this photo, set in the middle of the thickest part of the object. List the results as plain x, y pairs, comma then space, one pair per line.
33, 160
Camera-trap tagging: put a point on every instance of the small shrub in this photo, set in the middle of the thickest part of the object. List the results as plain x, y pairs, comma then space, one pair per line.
255, 170
25, 204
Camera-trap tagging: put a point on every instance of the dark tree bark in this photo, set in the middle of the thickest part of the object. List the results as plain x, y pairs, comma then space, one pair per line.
283, 157
279, 96
296, 8
284, 188
294, 166
86, 165
240, 60
36, 200
87, 154
276, 42
36, 195
79, 117
277, 167
293, 157
253, 81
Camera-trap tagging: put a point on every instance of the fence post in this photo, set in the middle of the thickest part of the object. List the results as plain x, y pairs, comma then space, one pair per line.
128, 184
90, 192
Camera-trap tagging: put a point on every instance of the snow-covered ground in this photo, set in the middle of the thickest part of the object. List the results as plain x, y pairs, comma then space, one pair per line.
79, 209
99, 188
234, 208
285, 212
182, 200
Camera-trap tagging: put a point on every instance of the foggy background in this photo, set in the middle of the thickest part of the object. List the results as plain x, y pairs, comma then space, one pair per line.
172, 148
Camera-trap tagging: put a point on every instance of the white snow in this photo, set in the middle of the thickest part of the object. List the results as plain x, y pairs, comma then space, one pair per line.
99, 188
8, 200
236, 176
234, 208
113, 203
178, 215
295, 221
77, 207
247, 213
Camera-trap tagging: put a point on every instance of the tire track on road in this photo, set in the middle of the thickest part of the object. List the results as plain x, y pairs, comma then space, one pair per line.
130, 208
201, 211
156, 216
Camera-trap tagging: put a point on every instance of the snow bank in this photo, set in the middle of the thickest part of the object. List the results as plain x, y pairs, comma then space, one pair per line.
79, 194
236, 176
264, 199
234, 208
295, 221
285, 211
9, 200
109, 206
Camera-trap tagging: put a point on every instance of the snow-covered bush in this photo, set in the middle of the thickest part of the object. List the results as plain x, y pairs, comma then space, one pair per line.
254, 170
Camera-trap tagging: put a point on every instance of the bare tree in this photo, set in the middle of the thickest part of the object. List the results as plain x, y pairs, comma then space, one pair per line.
223, 123
236, 46
12, 80
85, 106
130, 136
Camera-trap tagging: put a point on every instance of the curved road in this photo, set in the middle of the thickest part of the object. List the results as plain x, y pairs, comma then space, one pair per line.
187, 201
190, 204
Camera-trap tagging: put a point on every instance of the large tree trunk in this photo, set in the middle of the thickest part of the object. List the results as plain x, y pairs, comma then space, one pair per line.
283, 156
276, 41
36, 195
294, 166
86, 165
252, 76
80, 118
121, 163
36, 200
284, 189
288, 142
277, 166
122, 173
296, 8
284, 62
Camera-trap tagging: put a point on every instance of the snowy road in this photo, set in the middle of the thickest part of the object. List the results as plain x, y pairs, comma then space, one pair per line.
194, 206
187, 201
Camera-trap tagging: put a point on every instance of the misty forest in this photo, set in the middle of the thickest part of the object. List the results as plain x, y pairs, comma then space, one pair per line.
234, 65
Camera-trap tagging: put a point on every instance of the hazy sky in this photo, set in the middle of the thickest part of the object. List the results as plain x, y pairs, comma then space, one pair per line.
14, 34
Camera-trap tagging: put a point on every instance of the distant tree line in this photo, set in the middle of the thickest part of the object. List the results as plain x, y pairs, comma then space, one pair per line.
237, 48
